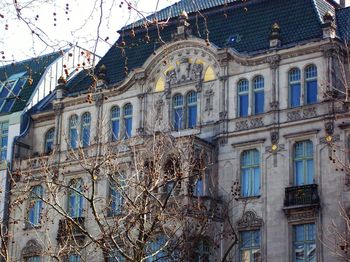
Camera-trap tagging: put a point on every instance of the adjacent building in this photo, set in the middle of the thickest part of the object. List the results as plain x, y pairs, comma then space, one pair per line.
260, 84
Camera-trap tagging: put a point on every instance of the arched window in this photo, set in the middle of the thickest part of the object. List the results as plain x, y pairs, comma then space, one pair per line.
178, 104
243, 97
202, 251
127, 113
75, 198
294, 87
303, 163
85, 129
49, 140
259, 96
310, 84
191, 109
115, 122
73, 131
35, 206
250, 173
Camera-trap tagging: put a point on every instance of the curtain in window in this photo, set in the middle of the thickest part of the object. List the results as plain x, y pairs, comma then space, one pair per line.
177, 111
115, 120
49, 140
85, 129
311, 84
73, 131
303, 163
76, 200
259, 96
294, 87
35, 205
192, 109
250, 173
127, 120
243, 97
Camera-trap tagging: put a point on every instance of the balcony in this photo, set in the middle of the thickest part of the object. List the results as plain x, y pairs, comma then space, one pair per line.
301, 201
67, 230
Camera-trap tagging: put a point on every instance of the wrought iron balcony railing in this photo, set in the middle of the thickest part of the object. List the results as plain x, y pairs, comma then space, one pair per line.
301, 195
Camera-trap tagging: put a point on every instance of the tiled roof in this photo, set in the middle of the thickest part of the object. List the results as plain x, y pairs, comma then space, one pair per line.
190, 6
343, 23
34, 68
249, 21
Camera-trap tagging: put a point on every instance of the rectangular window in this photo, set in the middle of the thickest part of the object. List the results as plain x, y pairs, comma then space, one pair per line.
311, 92
250, 173
250, 246
295, 93
303, 163
4, 129
115, 198
259, 102
33, 259
178, 116
128, 127
192, 116
304, 243
243, 105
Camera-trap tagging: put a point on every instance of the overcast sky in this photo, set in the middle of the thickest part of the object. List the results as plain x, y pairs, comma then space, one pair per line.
60, 22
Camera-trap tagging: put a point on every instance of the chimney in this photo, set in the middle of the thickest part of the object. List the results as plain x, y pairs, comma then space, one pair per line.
344, 3
61, 90
275, 37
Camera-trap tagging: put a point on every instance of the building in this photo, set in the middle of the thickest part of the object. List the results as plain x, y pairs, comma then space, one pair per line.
259, 86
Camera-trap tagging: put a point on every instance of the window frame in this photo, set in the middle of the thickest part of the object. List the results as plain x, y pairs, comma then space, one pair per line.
127, 117
241, 93
191, 104
4, 135
251, 167
73, 126
76, 185
294, 82
258, 88
304, 158
112, 187
251, 247
200, 252
14, 79
85, 125
178, 123
35, 205
309, 79
50, 139
305, 241
115, 137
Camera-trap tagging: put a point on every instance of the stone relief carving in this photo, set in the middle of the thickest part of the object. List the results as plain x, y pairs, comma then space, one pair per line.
185, 71
248, 124
159, 109
249, 219
335, 138
32, 248
302, 114
301, 214
209, 94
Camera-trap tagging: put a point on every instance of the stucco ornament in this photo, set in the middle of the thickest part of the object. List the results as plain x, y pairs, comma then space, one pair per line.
249, 220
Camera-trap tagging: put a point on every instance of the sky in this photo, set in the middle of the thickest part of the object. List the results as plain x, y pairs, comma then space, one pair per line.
30, 28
